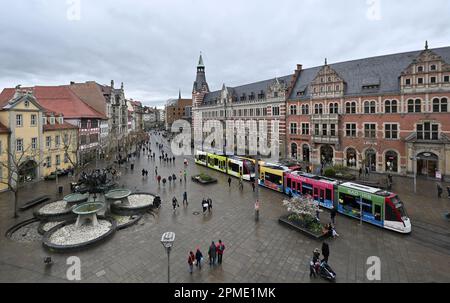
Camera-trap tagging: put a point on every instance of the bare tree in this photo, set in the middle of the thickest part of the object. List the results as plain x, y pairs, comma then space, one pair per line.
14, 165
72, 155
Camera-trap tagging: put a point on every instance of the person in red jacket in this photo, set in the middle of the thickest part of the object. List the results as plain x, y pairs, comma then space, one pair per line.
191, 259
220, 247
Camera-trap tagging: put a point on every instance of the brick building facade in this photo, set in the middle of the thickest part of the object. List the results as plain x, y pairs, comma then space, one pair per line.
387, 113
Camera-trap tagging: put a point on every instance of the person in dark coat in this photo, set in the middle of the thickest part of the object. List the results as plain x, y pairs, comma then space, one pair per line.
220, 248
253, 186
439, 190
204, 205
209, 204
325, 252
333, 214
212, 253
199, 257
229, 181
185, 199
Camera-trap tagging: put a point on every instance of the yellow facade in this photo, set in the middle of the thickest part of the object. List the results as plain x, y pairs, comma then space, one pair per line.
27, 144
54, 155
3, 159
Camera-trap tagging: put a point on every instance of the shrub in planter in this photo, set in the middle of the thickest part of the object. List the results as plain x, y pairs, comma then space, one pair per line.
330, 173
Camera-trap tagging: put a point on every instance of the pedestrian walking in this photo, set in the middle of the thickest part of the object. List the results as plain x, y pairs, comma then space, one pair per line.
185, 199
156, 170
204, 205
253, 186
439, 190
175, 204
257, 210
325, 252
333, 215
185, 176
229, 181
159, 180
198, 258
209, 205
170, 179
181, 177
191, 260
220, 248
164, 181
174, 178
173, 159
143, 173
212, 253
359, 173
448, 191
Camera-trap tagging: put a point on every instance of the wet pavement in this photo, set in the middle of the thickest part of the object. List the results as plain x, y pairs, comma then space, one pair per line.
263, 251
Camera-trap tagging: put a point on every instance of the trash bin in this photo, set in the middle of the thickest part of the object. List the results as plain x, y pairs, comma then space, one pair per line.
132, 166
60, 189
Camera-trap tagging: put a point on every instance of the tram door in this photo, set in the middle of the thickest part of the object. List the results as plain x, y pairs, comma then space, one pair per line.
316, 194
322, 196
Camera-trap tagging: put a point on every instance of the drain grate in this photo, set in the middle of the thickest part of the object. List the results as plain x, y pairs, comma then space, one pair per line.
196, 213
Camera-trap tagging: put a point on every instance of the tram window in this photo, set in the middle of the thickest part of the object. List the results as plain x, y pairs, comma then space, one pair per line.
349, 201
367, 206
316, 192
234, 167
298, 187
321, 195
377, 212
293, 185
390, 214
202, 158
307, 189
216, 162
273, 178
289, 183
211, 161
328, 194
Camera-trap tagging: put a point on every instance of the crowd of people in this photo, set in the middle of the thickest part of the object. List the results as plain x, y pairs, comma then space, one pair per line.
215, 255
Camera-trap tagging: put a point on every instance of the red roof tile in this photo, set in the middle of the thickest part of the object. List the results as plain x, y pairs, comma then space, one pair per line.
57, 126
59, 99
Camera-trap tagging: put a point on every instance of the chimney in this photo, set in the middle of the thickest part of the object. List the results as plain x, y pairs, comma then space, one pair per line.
112, 83
299, 67
72, 82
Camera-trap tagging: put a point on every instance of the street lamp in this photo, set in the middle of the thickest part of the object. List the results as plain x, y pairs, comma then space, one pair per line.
167, 240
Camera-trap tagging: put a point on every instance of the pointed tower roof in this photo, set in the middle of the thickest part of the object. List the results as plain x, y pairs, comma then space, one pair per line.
200, 61
179, 94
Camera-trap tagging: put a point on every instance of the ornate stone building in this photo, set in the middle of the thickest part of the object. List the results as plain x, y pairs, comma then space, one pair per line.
264, 100
387, 113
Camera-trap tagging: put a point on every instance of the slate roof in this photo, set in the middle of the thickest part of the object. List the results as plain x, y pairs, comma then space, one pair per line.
382, 70
246, 89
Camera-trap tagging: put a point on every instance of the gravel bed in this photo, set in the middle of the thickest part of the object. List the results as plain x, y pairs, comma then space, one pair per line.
49, 225
138, 200
71, 235
27, 233
54, 208
121, 220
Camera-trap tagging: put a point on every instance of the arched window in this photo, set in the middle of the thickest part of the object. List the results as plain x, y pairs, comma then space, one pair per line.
390, 106
350, 108
420, 69
414, 106
318, 109
334, 108
440, 105
369, 107
294, 150
305, 109
391, 161
293, 110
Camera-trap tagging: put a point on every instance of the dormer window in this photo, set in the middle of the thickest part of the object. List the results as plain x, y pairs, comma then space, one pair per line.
420, 69
52, 120
433, 67
61, 120
261, 95
44, 120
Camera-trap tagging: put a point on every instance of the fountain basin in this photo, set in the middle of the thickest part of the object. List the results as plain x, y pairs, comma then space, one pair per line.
76, 198
118, 194
87, 212
54, 211
136, 203
67, 236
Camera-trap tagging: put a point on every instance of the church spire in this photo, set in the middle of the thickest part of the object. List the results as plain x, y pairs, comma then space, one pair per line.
426, 45
200, 61
179, 94
200, 83
326, 61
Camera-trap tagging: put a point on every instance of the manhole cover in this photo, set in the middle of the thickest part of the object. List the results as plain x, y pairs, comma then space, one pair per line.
196, 213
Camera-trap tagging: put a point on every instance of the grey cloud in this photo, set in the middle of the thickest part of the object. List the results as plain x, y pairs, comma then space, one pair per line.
153, 46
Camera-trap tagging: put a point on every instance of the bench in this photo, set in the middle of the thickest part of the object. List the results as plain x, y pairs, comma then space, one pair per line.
35, 202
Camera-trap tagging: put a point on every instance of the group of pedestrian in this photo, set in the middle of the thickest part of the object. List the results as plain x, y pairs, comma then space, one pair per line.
215, 254
144, 173
315, 263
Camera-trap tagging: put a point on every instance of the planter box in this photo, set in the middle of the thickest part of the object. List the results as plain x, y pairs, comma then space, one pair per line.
198, 180
284, 220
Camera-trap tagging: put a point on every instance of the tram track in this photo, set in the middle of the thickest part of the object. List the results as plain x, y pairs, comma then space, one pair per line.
431, 235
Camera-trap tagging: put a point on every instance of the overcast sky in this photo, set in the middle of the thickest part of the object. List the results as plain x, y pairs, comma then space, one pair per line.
153, 46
